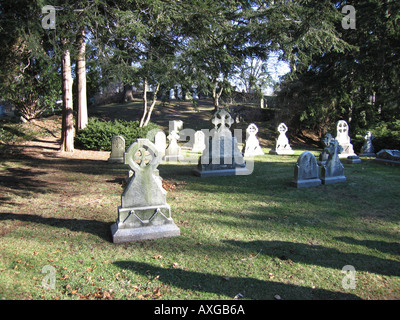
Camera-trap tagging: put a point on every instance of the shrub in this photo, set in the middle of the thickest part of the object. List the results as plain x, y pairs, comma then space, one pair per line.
98, 134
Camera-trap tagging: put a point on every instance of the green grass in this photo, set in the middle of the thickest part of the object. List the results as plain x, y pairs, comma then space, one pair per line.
255, 235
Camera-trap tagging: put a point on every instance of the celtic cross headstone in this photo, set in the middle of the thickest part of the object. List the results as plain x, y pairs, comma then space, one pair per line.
144, 212
282, 143
252, 145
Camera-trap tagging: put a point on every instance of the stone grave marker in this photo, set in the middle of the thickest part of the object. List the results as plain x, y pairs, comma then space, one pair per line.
367, 149
306, 171
144, 212
333, 171
388, 156
343, 138
252, 145
222, 155
160, 142
199, 141
173, 151
282, 143
324, 155
117, 149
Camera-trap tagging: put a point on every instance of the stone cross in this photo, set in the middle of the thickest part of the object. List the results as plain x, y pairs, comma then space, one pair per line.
173, 151
144, 212
333, 170
222, 120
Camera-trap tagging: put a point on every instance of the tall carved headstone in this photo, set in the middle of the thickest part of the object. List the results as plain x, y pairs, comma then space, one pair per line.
117, 149
222, 155
173, 151
144, 212
367, 149
306, 171
333, 170
343, 138
324, 155
282, 143
252, 145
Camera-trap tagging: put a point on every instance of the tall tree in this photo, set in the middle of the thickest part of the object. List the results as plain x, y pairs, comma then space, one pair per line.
81, 80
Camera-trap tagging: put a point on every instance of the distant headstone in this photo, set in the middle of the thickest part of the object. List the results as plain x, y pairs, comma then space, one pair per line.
306, 171
171, 94
160, 142
117, 149
144, 212
282, 143
252, 145
324, 155
387, 156
222, 155
199, 141
173, 151
367, 149
343, 138
333, 171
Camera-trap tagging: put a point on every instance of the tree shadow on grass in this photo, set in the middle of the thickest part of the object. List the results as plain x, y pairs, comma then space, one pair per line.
250, 288
98, 228
388, 247
321, 256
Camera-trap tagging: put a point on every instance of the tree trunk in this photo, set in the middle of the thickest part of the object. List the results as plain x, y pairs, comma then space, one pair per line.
67, 133
153, 103
216, 95
141, 124
81, 81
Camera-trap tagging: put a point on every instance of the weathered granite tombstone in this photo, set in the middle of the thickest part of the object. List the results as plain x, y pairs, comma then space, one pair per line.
160, 142
324, 155
282, 143
199, 141
221, 156
342, 137
333, 171
252, 145
144, 212
367, 149
306, 171
387, 156
173, 151
117, 149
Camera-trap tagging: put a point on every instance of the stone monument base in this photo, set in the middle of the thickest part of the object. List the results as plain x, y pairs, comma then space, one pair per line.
352, 159
173, 158
116, 160
144, 233
331, 180
307, 183
221, 172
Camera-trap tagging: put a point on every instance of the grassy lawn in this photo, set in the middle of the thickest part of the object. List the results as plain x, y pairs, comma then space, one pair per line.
255, 235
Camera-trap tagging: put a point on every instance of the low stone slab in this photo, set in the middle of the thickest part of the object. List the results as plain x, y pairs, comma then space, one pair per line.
332, 180
144, 233
222, 172
352, 159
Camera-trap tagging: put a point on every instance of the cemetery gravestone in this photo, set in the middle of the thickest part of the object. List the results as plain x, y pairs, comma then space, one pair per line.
306, 171
160, 141
199, 141
282, 144
144, 212
117, 149
173, 151
387, 156
342, 137
367, 149
333, 170
222, 155
252, 145
324, 155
